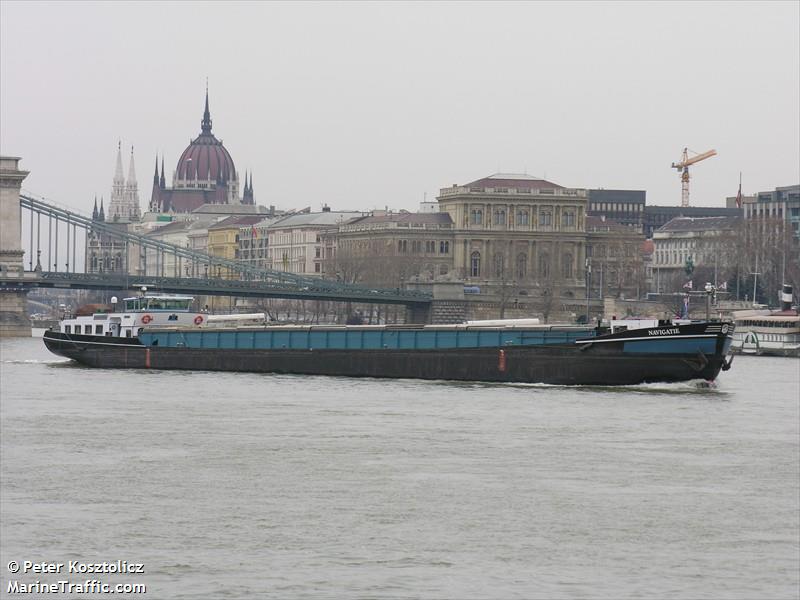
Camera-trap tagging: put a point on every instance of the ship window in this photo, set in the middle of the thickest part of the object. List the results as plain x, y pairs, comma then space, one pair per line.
67, 328
127, 333
98, 329
87, 329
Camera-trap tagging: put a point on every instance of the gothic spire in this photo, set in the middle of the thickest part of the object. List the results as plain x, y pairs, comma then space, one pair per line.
102, 215
206, 124
119, 176
162, 182
155, 175
131, 172
94, 212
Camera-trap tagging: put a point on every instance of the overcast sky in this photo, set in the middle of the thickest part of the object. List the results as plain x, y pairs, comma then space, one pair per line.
363, 105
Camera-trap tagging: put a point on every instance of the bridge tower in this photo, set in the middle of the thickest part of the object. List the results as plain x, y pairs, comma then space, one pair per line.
14, 321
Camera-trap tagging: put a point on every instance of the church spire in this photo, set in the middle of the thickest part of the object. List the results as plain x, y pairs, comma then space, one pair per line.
94, 212
130, 205
102, 215
119, 176
162, 182
155, 175
206, 124
132, 172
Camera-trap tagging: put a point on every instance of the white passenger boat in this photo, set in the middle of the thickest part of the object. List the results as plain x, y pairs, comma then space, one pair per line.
766, 332
147, 310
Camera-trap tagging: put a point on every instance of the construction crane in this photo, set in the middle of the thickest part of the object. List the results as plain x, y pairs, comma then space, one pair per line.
683, 167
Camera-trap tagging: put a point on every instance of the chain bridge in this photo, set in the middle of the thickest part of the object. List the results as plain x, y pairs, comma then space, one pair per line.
43, 245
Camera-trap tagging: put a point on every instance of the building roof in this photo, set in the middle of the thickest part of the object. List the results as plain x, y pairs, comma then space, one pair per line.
319, 219
230, 209
682, 211
237, 221
601, 224
513, 180
699, 224
439, 218
182, 225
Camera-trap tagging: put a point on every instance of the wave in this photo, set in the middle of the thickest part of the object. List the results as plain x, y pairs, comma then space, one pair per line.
34, 361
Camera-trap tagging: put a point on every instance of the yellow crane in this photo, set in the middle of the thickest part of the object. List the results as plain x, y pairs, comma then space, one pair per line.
683, 166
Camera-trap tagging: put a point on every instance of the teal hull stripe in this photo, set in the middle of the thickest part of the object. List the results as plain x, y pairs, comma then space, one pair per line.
672, 346
304, 339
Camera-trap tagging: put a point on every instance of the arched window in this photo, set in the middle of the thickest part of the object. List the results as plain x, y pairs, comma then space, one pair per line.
544, 265
522, 217
566, 266
522, 266
476, 216
475, 264
500, 217
499, 265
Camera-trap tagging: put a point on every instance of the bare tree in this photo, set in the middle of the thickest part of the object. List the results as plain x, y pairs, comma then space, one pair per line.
765, 246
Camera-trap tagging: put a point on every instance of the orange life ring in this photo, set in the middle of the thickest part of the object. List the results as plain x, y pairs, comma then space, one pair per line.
146, 319
198, 319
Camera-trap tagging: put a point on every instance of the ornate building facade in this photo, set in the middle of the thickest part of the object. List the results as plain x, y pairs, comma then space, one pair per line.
205, 174
519, 231
105, 253
387, 248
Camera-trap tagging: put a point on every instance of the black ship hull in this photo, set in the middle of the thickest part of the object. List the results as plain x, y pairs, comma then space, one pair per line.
567, 364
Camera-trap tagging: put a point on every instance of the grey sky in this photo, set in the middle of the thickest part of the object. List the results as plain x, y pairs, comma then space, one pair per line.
362, 105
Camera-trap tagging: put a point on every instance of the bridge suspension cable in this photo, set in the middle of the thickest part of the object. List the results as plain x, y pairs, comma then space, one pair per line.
244, 271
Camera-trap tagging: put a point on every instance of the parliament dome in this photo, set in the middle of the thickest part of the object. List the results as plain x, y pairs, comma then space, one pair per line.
205, 159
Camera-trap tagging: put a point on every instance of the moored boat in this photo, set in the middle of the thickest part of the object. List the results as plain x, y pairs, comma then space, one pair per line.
769, 332
615, 353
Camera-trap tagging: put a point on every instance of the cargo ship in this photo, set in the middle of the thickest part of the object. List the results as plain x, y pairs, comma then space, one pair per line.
162, 332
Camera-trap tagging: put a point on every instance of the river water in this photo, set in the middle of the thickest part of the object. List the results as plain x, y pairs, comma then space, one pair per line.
249, 486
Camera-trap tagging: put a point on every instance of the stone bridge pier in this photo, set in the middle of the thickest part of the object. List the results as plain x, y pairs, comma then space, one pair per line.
14, 321
448, 306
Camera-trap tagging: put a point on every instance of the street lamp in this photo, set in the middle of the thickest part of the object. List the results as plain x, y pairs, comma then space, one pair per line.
588, 267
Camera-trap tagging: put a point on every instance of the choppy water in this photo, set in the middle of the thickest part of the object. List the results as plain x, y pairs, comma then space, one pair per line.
245, 486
